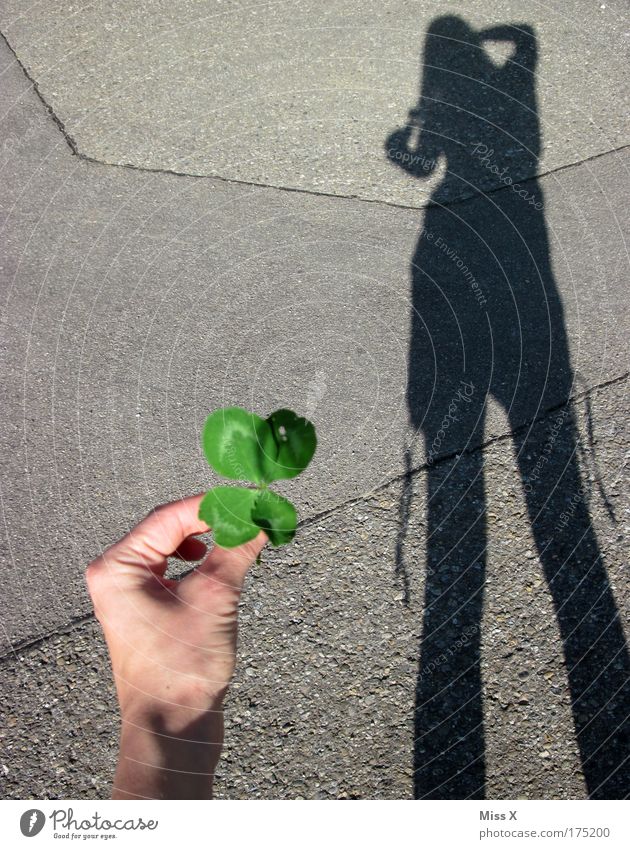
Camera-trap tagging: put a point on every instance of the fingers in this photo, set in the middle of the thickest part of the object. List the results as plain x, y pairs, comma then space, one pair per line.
155, 538
225, 567
168, 530
191, 549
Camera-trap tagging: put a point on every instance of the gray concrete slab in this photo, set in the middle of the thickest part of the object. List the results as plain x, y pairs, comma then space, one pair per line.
323, 701
136, 303
293, 94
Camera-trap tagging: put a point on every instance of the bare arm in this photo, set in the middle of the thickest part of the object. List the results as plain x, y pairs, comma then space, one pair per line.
172, 646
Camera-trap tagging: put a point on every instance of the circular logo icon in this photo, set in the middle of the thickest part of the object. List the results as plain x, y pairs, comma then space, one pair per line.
32, 822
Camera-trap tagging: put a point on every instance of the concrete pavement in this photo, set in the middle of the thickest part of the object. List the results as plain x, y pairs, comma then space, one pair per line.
137, 301
323, 701
293, 94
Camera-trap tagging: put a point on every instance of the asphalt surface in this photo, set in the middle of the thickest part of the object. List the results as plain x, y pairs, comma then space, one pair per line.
293, 94
323, 701
136, 301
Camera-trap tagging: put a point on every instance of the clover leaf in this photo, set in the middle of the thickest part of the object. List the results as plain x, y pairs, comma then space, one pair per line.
276, 516
236, 443
228, 511
242, 446
296, 443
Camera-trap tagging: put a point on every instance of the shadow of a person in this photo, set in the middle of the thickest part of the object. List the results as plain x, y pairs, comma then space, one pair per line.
487, 319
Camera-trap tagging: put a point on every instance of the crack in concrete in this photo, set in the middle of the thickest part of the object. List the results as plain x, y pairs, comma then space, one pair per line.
55, 118
33, 642
79, 622
330, 195
72, 144
407, 475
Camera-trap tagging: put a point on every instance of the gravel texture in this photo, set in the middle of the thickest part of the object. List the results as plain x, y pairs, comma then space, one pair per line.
322, 705
136, 303
449, 622
305, 96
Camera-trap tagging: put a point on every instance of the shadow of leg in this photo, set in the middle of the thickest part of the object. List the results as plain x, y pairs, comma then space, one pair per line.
596, 654
449, 738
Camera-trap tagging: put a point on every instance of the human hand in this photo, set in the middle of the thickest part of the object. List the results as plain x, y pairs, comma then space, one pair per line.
397, 145
172, 646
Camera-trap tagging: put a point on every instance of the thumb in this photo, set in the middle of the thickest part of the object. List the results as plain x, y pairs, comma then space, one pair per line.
224, 567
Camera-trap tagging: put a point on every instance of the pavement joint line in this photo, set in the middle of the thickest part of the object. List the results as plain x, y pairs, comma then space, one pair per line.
55, 118
74, 148
408, 475
144, 169
77, 623
32, 643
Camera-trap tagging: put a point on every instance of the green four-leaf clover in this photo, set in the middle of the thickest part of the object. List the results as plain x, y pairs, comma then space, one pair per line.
242, 446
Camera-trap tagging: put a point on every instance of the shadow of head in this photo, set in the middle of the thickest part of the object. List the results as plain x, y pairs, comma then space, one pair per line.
477, 99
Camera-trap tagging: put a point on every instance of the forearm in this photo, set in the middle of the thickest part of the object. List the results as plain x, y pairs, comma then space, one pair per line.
168, 757
172, 646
